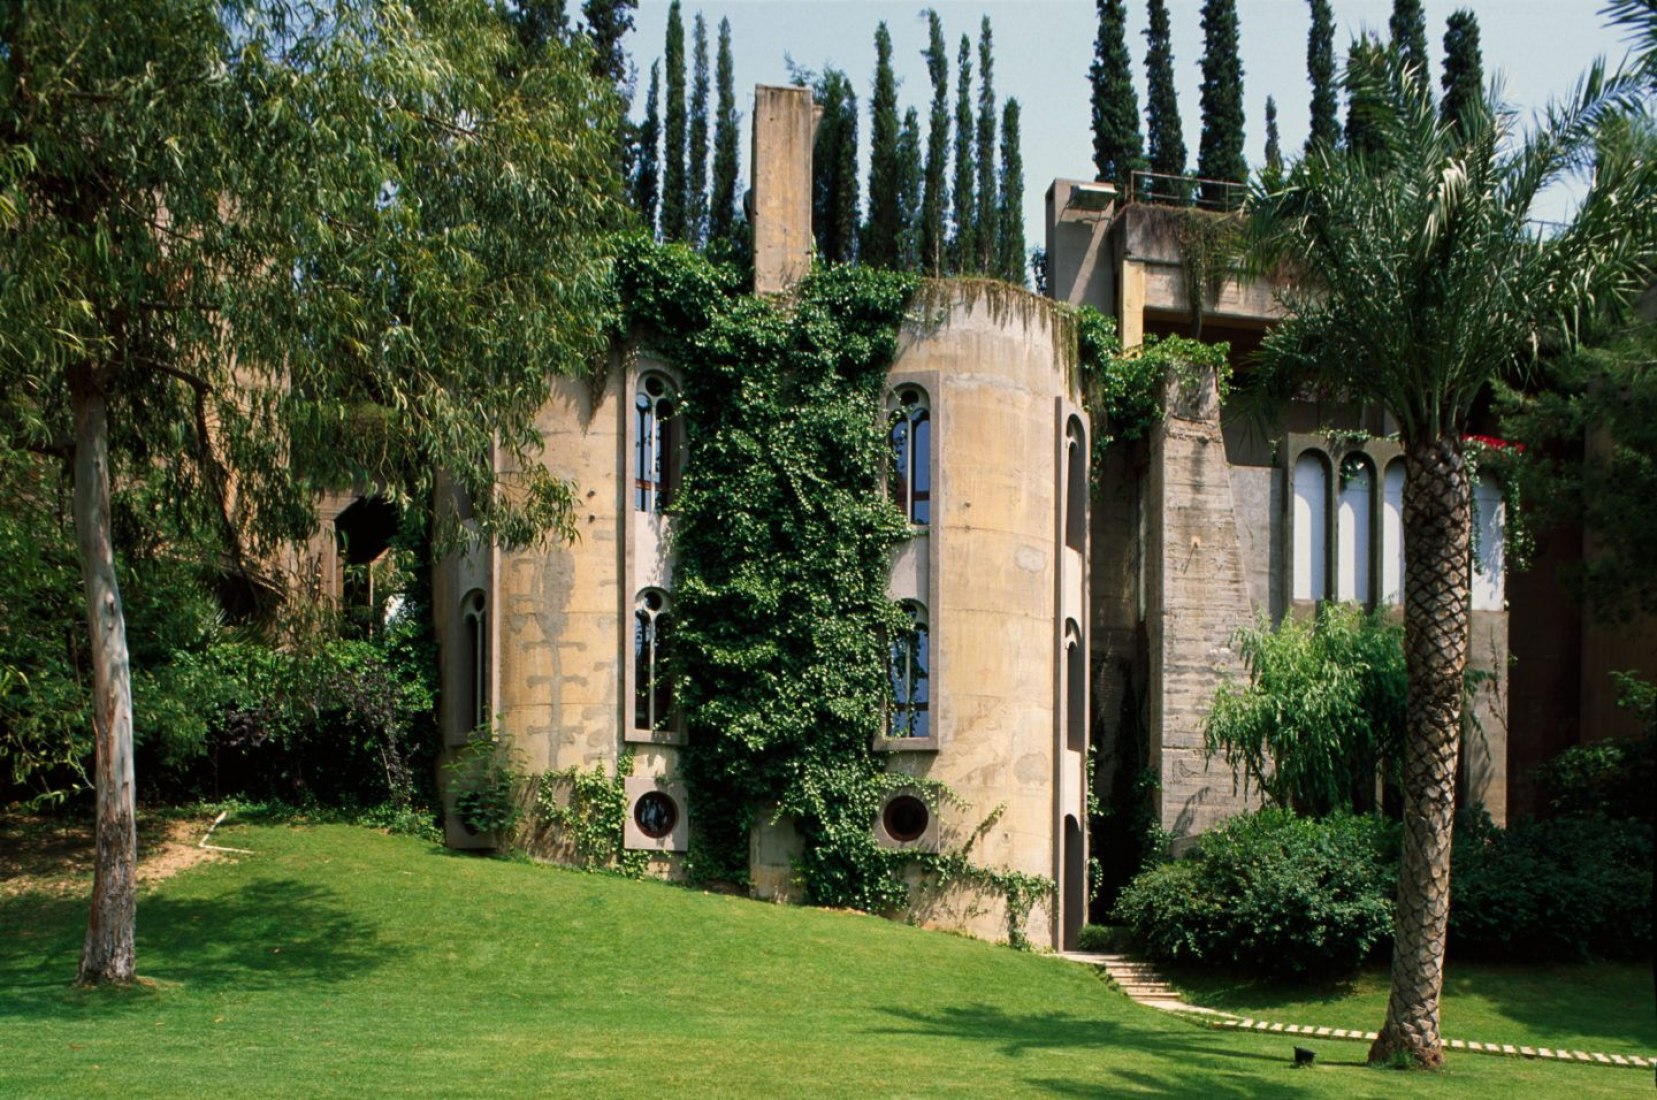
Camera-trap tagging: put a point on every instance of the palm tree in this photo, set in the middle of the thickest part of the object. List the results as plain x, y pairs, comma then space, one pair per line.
1420, 277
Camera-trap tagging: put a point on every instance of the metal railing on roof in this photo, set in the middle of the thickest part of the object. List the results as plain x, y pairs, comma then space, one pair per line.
1165, 189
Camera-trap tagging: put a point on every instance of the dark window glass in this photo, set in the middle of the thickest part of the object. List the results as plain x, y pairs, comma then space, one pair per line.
909, 660
911, 442
905, 818
655, 814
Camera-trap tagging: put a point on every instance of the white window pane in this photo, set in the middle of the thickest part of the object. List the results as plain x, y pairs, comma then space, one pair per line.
1311, 521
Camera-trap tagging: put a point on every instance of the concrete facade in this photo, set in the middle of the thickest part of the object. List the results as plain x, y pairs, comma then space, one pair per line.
1209, 524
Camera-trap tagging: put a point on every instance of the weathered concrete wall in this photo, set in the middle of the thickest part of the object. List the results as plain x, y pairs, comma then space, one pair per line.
995, 379
1197, 598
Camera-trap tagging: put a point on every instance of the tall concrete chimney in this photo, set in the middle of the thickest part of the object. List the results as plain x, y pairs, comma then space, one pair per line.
785, 129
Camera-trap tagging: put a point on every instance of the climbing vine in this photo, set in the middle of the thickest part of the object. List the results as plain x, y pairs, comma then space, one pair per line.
1125, 391
590, 811
783, 538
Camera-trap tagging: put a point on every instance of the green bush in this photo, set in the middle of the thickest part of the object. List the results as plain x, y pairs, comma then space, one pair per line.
1573, 886
1271, 892
1322, 713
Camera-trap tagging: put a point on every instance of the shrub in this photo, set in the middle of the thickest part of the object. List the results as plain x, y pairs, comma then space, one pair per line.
1322, 712
1271, 892
1575, 886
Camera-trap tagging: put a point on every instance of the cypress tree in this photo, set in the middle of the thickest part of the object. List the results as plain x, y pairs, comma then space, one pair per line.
909, 192
1116, 145
608, 21
647, 168
1320, 70
722, 202
696, 184
965, 246
1408, 26
936, 196
1463, 66
1220, 151
1162, 124
834, 213
1274, 151
879, 247
985, 229
1009, 264
675, 223
1363, 70
539, 23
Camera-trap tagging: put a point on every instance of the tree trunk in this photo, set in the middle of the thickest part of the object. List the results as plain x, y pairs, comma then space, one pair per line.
108, 955
1437, 522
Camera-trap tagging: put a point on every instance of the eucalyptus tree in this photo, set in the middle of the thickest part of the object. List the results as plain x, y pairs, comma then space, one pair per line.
250, 254
1422, 278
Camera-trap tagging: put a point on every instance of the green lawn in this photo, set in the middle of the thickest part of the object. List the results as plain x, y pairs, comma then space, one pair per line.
338, 961
1607, 1007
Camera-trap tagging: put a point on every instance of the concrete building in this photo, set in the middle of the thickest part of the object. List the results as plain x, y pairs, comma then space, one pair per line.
1045, 616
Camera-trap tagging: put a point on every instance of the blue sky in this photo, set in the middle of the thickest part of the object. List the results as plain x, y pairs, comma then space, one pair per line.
1043, 49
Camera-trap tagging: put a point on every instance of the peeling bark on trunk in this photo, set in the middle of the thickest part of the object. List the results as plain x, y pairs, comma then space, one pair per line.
108, 955
1437, 524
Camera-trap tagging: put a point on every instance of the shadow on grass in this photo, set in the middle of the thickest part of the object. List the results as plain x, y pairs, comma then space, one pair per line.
274, 932
1158, 1062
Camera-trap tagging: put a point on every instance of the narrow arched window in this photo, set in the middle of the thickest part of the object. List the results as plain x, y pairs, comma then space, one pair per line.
656, 444
911, 715
1075, 511
474, 628
1311, 526
1352, 529
1392, 533
1487, 558
1075, 676
911, 442
652, 686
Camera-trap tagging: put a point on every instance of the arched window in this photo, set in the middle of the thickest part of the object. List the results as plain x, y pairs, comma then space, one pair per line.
1392, 533
1075, 675
656, 446
1488, 589
909, 660
1311, 524
474, 628
1075, 511
652, 638
911, 441
1352, 529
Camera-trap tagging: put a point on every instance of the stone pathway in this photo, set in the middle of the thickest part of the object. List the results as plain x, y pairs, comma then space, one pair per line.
1140, 981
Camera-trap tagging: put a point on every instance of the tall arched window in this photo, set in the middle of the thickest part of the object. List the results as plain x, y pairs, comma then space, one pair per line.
1392, 533
1352, 529
911, 441
909, 660
656, 444
474, 628
1311, 524
1075, 511
1487, 557
652, 637
1075, 675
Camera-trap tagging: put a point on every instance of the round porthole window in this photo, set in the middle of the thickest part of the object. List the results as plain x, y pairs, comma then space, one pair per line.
905, 818
655, 814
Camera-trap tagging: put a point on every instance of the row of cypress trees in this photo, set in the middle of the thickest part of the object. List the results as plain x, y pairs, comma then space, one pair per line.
670, 184
921, 216
1117, 146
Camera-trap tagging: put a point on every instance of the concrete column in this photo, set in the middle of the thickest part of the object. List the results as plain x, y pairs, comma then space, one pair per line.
785, 129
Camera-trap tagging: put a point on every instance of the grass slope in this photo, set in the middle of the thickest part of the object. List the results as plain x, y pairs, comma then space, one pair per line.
339, 961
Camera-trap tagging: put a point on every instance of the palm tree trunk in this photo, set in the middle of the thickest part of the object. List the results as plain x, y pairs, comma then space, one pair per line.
1437, 522
108, 954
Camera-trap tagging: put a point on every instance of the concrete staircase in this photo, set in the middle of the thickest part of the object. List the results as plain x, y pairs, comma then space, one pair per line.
1138, 979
